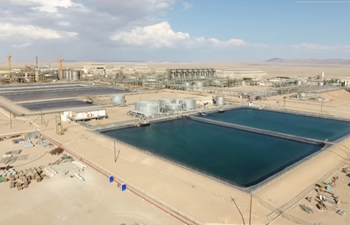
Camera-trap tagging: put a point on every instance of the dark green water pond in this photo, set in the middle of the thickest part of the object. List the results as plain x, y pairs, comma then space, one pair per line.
235, 156
306, 126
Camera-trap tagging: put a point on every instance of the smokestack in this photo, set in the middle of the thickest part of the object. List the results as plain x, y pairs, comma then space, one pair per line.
36, 61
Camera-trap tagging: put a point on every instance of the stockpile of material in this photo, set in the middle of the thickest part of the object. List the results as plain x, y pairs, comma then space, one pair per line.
22, 179
65, 166
45, 143
32, 135
326, 200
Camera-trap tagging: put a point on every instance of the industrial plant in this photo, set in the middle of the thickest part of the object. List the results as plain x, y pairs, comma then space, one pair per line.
223, 136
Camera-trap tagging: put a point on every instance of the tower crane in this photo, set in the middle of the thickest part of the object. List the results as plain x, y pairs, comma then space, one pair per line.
61, 72
9, 61
60, 60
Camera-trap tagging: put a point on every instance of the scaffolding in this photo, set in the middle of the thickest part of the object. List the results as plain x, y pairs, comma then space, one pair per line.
190, 73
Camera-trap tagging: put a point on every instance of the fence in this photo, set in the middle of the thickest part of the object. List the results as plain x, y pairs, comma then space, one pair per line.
287, 206
132, 188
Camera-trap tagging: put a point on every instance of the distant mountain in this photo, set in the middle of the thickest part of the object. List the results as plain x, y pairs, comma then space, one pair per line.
310, 61
275, 60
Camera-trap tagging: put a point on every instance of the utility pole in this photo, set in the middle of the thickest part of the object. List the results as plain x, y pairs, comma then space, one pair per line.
284, 102
10, 119
115, 156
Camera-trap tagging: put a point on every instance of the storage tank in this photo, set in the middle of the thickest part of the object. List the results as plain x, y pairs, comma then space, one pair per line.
69, 75
75, 75
220, 100
320, 83
189, 104
83, 76
173, 107
165, 101
199, 84
298, 82
147, 107
302, 95
118, 99
217, 83
65, 74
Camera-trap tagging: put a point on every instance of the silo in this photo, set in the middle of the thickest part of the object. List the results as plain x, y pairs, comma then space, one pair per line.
189, 104
173, 107
164, 101
69, 75
64, 74
220, 100
75, 75
118, 99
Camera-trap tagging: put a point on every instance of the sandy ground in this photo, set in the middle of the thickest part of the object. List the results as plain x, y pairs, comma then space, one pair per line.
69, 201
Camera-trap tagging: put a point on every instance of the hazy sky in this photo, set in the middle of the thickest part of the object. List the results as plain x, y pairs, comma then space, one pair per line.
173, 30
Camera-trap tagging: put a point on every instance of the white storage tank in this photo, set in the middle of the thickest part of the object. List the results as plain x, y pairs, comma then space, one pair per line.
199, 84
298, 82
147, 107
164, 101
118, 99
189, 104
220, 100
173, 107
69, 75
75, 75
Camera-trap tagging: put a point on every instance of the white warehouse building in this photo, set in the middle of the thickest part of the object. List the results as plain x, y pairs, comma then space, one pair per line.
241, 73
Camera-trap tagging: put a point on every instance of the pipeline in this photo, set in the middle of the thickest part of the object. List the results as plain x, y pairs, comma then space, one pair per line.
260, 131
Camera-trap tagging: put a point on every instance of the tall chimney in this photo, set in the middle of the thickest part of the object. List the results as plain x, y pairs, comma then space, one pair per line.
36, 61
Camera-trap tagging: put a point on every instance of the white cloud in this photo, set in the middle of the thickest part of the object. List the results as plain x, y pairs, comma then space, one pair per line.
186, 5
231, 42
63, 23
21, 45
319, 48
162, 35
9, 31
158, 35
45, 5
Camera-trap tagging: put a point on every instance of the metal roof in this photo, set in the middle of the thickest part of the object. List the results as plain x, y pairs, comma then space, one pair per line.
87, 109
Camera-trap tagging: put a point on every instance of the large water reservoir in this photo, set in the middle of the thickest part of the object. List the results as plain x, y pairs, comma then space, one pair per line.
300, 125
235, 156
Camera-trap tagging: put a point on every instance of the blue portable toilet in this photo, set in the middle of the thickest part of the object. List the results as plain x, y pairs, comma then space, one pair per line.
110, 179
123, 187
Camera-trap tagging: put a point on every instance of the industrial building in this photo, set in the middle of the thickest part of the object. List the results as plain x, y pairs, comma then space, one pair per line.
241, 73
